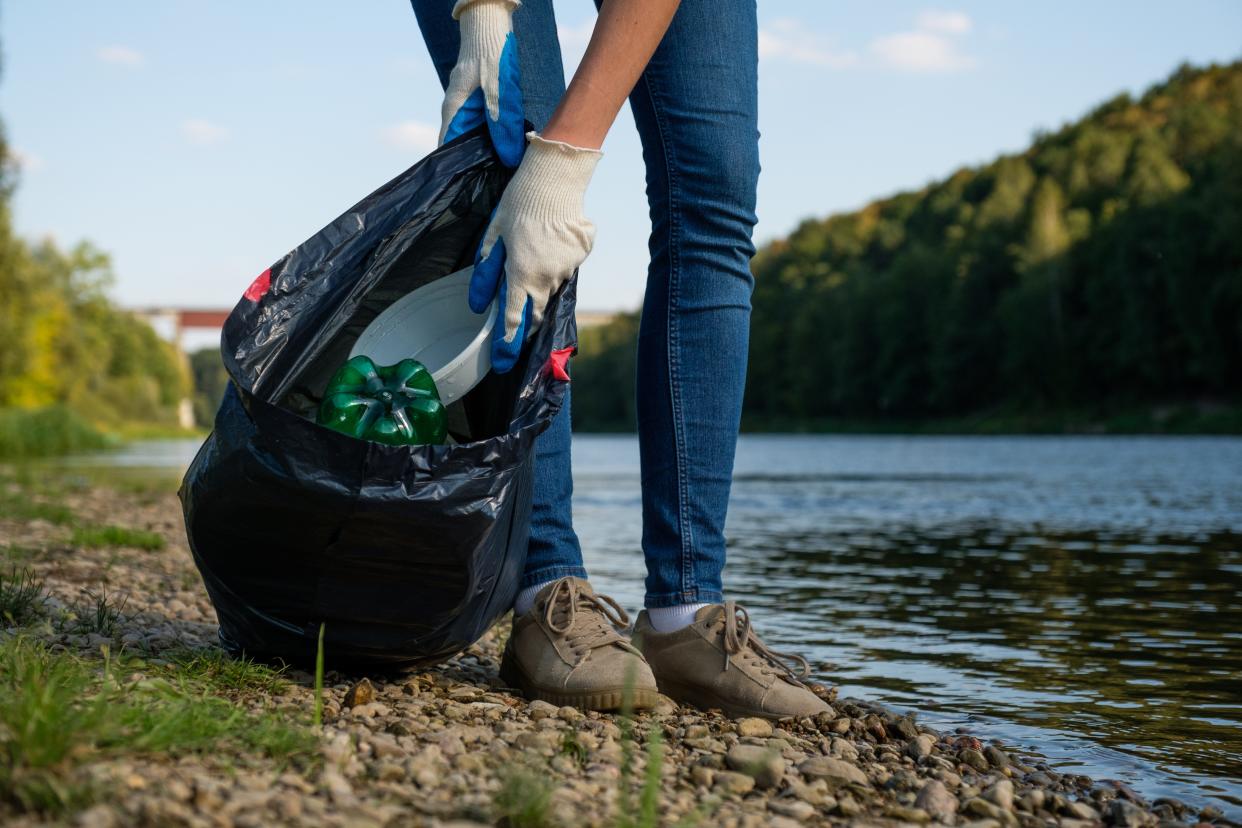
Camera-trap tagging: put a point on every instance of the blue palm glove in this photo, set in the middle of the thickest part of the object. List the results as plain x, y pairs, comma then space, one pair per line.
483, 86
537, 238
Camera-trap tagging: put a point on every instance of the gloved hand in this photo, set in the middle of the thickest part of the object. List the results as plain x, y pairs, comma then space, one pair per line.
537, 237
483, 86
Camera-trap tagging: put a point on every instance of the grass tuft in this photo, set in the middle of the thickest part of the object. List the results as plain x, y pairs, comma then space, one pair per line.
99, 614
573, 748
57, 709
21, 597
227, 676
317, 717
45, 713
524, 799
101, 537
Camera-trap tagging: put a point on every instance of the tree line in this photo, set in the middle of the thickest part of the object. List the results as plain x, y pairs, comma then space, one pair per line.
1098, 269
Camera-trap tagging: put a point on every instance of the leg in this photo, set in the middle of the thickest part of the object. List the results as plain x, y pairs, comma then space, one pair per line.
696, 107
554, 550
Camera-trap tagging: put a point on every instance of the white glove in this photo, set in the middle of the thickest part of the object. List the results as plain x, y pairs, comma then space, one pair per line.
537, 238
485, 78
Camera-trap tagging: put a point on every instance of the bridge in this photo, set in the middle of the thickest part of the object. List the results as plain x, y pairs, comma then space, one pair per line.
172, 323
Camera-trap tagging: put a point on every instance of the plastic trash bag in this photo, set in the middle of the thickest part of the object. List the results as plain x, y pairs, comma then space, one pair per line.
407, 554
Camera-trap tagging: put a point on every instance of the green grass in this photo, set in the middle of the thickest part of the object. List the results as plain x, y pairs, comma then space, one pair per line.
98, 613
58, 710
103, 537
128, 480
573, 748
21, 507
227, 676
317, 716
524, 799
45, 432
647, 813
21, 597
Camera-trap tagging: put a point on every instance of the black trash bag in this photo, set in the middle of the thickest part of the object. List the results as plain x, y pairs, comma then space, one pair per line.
407, 554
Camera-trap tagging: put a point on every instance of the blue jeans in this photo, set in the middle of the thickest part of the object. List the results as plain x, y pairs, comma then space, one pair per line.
696, 107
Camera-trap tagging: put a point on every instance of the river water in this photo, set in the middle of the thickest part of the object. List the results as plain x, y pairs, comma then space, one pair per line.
1078, 597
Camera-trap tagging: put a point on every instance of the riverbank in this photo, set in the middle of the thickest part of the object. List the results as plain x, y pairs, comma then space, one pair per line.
1179, 418
57, 430
109, 643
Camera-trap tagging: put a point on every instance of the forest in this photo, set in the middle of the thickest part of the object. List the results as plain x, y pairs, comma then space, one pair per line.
1093, 281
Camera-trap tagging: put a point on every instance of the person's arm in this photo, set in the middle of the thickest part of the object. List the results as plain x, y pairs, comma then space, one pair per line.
538, 235
625, 37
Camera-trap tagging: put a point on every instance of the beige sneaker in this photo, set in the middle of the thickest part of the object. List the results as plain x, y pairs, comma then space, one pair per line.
568, 651
718, 661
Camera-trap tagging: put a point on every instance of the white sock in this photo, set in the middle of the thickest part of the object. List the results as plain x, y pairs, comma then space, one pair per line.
671, 619
526, 598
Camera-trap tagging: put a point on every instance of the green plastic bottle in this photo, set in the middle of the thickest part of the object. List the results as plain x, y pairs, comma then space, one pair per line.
393, 404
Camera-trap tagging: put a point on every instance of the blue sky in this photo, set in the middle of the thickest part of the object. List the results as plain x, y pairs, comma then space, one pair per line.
198, 141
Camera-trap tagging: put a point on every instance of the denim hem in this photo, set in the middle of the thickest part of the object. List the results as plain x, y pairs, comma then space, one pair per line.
549, 574
693, 596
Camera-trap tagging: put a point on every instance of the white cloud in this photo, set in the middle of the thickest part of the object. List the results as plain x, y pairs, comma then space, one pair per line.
203, 133
120, 56
932, 47
411, 136
920, 52
26, 162
789, 40
947, 22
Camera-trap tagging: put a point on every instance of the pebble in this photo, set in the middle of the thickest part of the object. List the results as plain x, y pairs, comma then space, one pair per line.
765, 765
792, 808
702, 776
1127, 815
973, 758
902, 728
843, 750
1032, 800
847, 807
1000, 794
732, 782
361, 693
905, 814
1081, 810
921, 746
996, 757
539, 709
761, 728
936, 800
833, 770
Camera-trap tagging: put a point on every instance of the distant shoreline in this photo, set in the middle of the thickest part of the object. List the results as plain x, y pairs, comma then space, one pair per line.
1194, 418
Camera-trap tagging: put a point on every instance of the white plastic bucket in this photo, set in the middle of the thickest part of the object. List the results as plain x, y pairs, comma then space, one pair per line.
435, 326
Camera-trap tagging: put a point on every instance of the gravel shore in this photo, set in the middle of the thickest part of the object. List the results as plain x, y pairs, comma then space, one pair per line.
453, 746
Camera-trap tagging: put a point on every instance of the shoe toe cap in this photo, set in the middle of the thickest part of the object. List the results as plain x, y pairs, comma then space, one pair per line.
785, 700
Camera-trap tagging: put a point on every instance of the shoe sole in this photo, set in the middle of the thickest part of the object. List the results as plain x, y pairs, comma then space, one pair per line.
696, 697
603, 700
